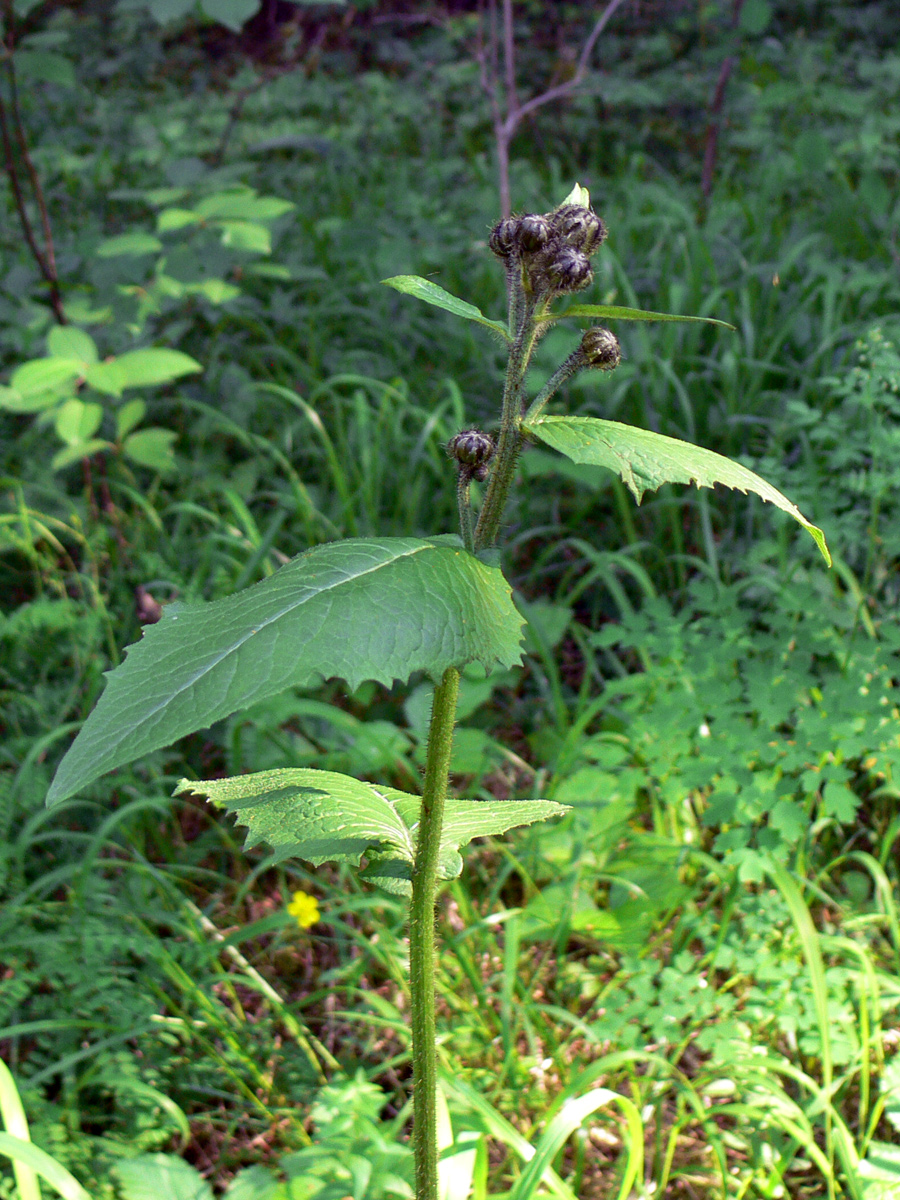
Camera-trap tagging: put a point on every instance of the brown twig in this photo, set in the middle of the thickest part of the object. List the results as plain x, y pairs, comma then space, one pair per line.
11, 127
505, 126
714, 126
269, 74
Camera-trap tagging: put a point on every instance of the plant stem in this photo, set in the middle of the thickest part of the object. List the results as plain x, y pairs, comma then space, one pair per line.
463, 483
11, 127
570, 367
509, 444
421, 935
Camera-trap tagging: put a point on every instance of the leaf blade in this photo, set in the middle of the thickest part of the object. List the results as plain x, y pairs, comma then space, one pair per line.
319, 816
645, 460
430, 293
359, 609
322, 816
615, 312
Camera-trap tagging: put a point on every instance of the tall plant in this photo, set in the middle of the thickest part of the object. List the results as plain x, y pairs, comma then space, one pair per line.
385, 608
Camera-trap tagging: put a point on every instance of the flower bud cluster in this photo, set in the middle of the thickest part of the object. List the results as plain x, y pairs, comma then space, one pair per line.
553, 249
473, 451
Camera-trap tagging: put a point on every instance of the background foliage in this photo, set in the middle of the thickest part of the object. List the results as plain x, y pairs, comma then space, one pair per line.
713, 704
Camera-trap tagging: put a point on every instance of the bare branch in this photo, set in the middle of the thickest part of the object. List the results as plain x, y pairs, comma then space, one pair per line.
45, 259
564, 89
509, 57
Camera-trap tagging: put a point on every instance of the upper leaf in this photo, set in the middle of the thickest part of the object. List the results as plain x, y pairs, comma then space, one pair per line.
644, 460
617, 313
321, 816
140, 368
424, 289
359, 609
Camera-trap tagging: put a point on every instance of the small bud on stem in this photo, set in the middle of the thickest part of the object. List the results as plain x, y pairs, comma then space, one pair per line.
601, 349
473, 450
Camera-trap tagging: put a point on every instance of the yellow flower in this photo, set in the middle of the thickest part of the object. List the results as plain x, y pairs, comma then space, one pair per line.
304, 909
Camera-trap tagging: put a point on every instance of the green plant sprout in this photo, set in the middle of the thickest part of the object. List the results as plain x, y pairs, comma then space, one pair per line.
384, 608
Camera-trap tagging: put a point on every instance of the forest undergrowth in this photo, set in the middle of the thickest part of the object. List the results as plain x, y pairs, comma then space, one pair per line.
713, 931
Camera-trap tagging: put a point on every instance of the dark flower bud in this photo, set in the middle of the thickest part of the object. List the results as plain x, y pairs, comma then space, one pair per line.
473, 449
568, 270
533, 233
579, 227
600, 349
503, 237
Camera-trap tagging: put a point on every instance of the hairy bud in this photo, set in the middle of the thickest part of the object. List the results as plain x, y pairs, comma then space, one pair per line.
503, 241
532, 233
473, 450
600, 349
579, 227
568, 270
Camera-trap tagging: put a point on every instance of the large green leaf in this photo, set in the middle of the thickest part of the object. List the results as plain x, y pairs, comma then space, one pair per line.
424, 289
644, 460
615, 312
320, 816
359, 609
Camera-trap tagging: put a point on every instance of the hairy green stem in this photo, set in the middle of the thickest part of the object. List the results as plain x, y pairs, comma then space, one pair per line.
509, 444
573, 364
421, 935
463, 483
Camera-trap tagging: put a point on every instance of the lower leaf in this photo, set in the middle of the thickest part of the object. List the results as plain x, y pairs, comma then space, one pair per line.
321, 816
